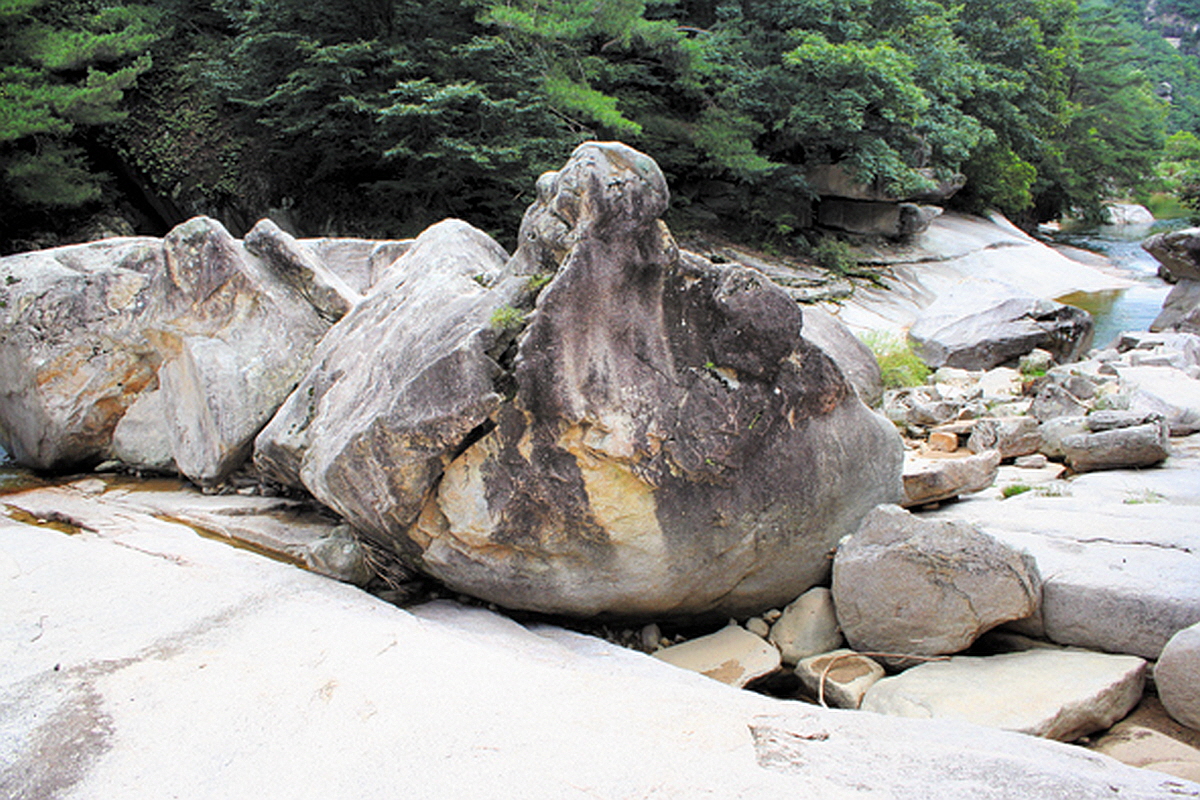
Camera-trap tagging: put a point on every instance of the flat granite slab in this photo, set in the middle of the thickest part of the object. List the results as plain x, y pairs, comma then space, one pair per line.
150, 662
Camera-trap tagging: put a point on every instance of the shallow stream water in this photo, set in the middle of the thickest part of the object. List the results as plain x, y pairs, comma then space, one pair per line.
1130, 309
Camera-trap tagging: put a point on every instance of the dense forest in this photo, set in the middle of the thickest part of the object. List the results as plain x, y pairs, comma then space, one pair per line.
377, 117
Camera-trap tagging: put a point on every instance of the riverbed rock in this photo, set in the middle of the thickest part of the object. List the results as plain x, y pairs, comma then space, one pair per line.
808, 626
331, 296
673, 447
399, 384
732, 655
1181, 309
962, 330
90, 328
1177, 676
853, 358
1178, 253
1118, 440
1054, 401
905, 585
1012, 436
1166, 391
370, 696
839, 678
933, 479
1056, 694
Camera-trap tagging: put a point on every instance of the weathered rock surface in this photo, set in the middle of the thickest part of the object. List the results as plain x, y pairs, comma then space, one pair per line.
1166, 391
399, 384
732, 655
930, 480
1012, 436
1150, 739
1057, 694
331, 296
1117, 440
876, 219
672, 444
370, 696
1118, 551
853, 358
960, 330
906, 585
808, 626
839, 678
358, 262
1178, 253
90, 328
1181, 309
1177, 676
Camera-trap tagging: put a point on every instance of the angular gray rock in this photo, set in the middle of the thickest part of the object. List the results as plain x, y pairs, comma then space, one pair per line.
853, 358
1053, 431
1118, 444
930, 480
358, 262
1054, 401
808, 626
1177, 252
1012, 436
90, 328
302, 270
905, 585
1177, 676
958, 331
1166, 391
398, 385
674, 446
1181, 309
1056, 694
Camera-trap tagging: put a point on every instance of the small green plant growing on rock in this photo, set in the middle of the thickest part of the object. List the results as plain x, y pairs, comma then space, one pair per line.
538, 281
1144, 496
1014, 489
835, 256
507, 318
899, 365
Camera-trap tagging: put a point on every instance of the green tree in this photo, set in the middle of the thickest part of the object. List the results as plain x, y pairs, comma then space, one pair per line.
65, 66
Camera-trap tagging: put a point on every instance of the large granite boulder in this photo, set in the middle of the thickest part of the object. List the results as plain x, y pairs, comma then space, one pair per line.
91, 329
907, 586
961, 330
663, 441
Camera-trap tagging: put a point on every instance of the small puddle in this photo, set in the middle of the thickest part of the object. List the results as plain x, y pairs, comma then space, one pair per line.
60, 524
240, 544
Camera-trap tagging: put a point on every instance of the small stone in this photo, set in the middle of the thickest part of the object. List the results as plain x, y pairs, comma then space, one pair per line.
841, 678
758, 626
1036, 361
1012, 436
92, 486
928, 480
808, 626
943, 441
651, 637
732, 655
1034, 461
771, 615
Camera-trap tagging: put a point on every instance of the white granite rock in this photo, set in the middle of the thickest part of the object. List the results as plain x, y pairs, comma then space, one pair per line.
732, 655
189, 668
1057, 694
808, 626
840, 678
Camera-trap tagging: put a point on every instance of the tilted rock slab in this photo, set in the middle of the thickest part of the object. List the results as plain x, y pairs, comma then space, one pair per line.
960, 330
732, 655
905, 585
89, 329
929, 480
664, 441
1057, 694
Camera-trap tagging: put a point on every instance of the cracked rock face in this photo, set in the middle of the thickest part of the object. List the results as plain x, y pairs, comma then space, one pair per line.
200, 337
672, 446
905, 585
